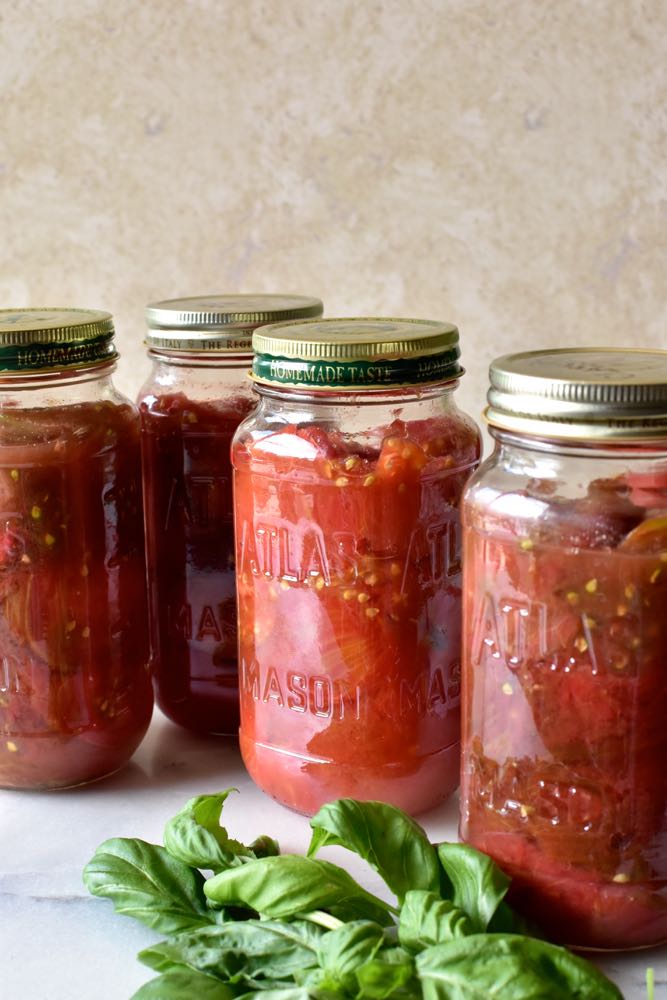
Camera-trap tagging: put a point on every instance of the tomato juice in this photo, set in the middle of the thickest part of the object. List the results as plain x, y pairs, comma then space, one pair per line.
75, 696
191, 565
197, 394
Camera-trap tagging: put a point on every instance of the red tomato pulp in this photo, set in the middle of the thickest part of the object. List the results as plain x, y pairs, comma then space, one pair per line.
190, 548
75, 696
348, 555
564, 780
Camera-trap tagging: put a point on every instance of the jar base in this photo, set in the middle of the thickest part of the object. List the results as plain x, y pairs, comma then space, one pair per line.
304, 784
571, 907
56, 787
57, 764
203, 715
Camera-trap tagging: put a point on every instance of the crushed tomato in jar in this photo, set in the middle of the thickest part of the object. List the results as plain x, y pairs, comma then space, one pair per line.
347, 486
564, 747
75, 694
191, 405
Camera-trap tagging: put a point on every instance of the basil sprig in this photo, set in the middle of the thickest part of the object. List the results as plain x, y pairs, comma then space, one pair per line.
286, 927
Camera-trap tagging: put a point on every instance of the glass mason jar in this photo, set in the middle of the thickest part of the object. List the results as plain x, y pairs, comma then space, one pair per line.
190, 406
564, 695
75, 692
347, 482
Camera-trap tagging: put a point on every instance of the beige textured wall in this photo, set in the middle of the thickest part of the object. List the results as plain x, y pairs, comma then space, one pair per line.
502, 164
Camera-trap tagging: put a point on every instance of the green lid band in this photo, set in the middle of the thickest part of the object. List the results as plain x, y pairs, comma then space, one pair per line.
375, 374
55, 355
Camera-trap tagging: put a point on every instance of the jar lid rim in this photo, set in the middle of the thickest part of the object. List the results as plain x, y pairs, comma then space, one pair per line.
356, 352
580, 393
209, 312
50, 339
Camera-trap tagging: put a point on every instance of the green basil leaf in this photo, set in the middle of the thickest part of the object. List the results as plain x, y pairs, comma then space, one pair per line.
182, 983
146, 883
390, 973
327, 987
478, 884
426, 920
285, 993
265, 847
389, 840
167, 956
194, 835
290, 884
395, 955
506, 921
509, 967
238, 951
342, 951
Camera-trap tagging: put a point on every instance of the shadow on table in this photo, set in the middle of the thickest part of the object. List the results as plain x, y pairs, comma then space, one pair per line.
173, 757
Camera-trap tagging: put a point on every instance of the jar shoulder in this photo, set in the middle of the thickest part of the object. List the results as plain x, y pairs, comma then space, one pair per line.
575, 500
214, 383
435, 427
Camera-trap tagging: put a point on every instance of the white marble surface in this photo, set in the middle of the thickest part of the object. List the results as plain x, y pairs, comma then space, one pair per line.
59, 943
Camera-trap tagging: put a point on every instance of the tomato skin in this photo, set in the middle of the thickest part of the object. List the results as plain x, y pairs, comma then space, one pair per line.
190, 556
649, 488
348, 556
563, 778
599, 520
648, 536
75, 695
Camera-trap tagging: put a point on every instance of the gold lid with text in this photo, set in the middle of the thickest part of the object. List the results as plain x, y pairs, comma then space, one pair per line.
220, 323
37, 340
357, 353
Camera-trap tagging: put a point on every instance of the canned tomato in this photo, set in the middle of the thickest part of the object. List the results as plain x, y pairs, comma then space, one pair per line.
75, 693
565, 742
191, 404
348, 479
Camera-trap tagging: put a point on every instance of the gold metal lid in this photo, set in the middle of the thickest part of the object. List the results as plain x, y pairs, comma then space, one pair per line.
33, 340
357, 353
581, 393
220, 323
